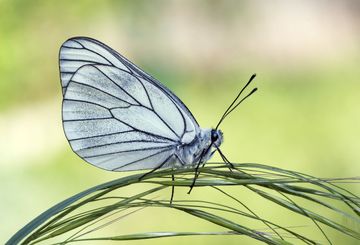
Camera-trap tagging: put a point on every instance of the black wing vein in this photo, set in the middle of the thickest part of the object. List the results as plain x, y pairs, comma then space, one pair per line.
97, 136
144, 158
102, 91
133, 150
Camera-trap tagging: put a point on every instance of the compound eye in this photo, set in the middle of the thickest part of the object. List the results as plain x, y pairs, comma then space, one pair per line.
214, 136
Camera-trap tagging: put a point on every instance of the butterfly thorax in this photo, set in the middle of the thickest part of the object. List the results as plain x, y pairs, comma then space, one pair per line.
200, 149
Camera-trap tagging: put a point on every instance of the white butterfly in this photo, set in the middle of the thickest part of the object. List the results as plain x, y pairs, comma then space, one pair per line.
119, 118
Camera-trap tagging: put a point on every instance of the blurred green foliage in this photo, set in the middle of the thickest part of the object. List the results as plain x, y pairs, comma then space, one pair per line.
305, 116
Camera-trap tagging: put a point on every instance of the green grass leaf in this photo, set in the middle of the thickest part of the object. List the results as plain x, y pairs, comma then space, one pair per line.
80, 216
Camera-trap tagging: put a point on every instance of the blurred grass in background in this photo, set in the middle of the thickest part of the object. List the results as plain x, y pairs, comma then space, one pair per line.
305, 116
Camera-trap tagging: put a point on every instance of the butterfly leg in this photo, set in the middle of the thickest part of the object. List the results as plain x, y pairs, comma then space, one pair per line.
172, 189
197, 173
172, 176
156, 168
226, 161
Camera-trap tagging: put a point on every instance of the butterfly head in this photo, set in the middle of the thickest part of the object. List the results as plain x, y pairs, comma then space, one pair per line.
208, 141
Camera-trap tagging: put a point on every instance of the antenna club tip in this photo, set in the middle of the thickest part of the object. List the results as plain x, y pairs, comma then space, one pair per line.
252, 77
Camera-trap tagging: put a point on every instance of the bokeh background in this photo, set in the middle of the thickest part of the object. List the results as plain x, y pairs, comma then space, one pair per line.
304, 117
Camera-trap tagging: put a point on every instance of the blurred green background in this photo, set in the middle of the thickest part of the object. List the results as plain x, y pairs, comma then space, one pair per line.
305, 116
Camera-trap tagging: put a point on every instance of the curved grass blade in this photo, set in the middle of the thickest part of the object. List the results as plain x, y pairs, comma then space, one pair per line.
88, 211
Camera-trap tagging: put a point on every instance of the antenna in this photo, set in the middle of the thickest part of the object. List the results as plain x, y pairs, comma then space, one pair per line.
232, 107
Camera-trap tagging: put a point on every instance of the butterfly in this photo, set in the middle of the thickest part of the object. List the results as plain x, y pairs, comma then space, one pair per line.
119, 118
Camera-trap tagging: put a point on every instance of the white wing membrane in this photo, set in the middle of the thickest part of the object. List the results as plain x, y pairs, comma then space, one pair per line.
132, 160
96, 127
95, 79
166, 108
108, 139
85, 93
78, 52
69, 53
75, 110
127, 83
115, 116
144, 119
121, 147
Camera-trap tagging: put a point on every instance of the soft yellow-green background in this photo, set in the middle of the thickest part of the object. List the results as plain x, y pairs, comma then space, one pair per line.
305, 117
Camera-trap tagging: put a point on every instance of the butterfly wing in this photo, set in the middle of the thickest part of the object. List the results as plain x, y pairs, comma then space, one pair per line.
114, 115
